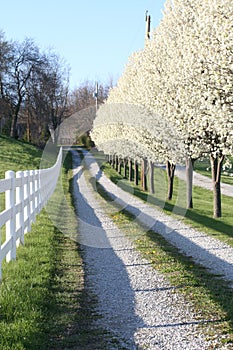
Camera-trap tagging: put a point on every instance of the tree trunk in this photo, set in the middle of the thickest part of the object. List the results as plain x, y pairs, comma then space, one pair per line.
14, 121
116, 162
125, 168
216, 168
136, 174
110, 159
170, 167
119, 166
113, 161
13, 132
189, 182
130, 165
28, 127
152, 187
143, 175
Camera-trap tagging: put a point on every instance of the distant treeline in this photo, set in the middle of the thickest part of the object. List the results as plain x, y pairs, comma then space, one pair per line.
35, 96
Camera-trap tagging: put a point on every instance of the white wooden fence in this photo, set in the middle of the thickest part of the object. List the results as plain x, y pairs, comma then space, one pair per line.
26, 193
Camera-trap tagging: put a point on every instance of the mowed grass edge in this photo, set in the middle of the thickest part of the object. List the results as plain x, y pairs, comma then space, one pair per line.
44, 300
41, 291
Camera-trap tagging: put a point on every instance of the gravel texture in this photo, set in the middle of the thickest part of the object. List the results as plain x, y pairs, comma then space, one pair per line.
204, 181
138, 306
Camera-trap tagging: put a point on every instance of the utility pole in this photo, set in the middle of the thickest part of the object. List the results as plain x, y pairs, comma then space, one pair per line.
95, 95
148, 19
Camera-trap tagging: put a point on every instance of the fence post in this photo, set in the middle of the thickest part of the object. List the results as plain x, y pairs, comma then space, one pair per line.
10, 224
27, 198
32, 194
0, 253
20, 215
37, 191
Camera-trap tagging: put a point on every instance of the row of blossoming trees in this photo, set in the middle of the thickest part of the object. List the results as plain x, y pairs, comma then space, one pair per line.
174, 101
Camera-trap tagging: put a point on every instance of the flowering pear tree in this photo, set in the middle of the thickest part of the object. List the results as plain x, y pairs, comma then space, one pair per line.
164, 72
184, 77
147, 132
193, 50
203, 70
215, 87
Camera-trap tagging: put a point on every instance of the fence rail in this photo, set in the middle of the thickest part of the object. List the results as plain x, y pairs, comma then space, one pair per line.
26, 193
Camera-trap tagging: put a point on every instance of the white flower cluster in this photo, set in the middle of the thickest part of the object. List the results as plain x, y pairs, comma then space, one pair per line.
175, 97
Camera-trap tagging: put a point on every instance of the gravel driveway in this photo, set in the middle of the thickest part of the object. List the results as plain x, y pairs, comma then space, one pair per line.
136, 303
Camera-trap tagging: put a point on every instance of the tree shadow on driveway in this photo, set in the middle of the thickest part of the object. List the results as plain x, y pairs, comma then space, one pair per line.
106, 276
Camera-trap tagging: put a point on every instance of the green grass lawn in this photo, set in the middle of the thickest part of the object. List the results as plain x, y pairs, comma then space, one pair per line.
44, 304
16, 155
42, 291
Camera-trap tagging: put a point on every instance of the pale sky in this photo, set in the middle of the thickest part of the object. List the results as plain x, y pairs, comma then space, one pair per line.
94, 37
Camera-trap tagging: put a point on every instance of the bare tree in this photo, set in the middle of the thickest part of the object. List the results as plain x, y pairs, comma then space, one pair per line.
25, 57
83, 96
45, 102
82, 106
5, 61
49, 93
